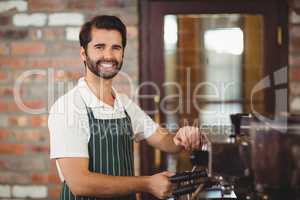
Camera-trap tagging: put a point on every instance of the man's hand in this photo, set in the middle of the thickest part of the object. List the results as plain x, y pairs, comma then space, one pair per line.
160, 186
190, 138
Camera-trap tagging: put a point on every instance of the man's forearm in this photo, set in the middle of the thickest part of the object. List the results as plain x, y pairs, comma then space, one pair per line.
167, 143
100, 185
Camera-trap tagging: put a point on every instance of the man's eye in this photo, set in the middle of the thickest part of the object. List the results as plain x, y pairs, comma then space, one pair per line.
117, 48
99, 47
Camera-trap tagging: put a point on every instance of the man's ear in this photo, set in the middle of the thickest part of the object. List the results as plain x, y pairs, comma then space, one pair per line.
82, 54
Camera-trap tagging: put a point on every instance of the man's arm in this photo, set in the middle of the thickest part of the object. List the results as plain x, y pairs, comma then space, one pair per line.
163, 140
82, 182
188, 138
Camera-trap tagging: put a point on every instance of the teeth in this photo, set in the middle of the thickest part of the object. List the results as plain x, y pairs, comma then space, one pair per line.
106, 65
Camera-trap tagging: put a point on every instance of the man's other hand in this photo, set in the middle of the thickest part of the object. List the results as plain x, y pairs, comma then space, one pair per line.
160, 186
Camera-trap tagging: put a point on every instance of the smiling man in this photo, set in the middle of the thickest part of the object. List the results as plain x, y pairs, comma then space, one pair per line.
92, 127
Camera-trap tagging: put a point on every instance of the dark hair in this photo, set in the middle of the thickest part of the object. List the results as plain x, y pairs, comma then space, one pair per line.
101, 22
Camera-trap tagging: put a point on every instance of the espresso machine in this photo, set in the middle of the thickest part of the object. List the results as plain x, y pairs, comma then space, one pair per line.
254, 160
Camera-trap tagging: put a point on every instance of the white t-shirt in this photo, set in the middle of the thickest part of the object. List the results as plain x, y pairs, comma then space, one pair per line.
68, 121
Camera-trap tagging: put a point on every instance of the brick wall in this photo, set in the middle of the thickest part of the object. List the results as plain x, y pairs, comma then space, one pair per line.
42, 35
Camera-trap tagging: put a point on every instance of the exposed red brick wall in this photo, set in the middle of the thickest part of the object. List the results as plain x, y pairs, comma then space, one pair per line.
35, 35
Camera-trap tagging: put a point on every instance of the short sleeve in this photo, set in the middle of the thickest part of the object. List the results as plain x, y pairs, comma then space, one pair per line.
143, 126
69, 134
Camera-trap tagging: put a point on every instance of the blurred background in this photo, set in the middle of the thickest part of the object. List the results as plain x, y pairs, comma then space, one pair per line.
39, 61
43, 35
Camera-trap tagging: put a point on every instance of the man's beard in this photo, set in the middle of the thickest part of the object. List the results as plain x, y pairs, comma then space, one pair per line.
94, 67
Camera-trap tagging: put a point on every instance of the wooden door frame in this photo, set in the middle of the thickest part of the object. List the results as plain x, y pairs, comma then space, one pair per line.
151, 58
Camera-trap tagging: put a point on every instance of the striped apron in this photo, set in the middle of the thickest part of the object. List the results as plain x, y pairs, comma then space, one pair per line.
110, 152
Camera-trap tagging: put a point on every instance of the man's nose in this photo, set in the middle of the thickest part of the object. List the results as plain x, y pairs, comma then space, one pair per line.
107, 54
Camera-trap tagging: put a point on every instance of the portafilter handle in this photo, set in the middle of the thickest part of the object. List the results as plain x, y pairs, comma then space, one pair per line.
188, 176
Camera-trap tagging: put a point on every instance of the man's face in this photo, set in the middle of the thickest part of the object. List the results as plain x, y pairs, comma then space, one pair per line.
104, 55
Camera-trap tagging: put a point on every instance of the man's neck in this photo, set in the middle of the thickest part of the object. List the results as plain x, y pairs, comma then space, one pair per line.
101, 88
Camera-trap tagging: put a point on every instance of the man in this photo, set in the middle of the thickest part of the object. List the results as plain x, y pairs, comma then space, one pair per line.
92, 126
